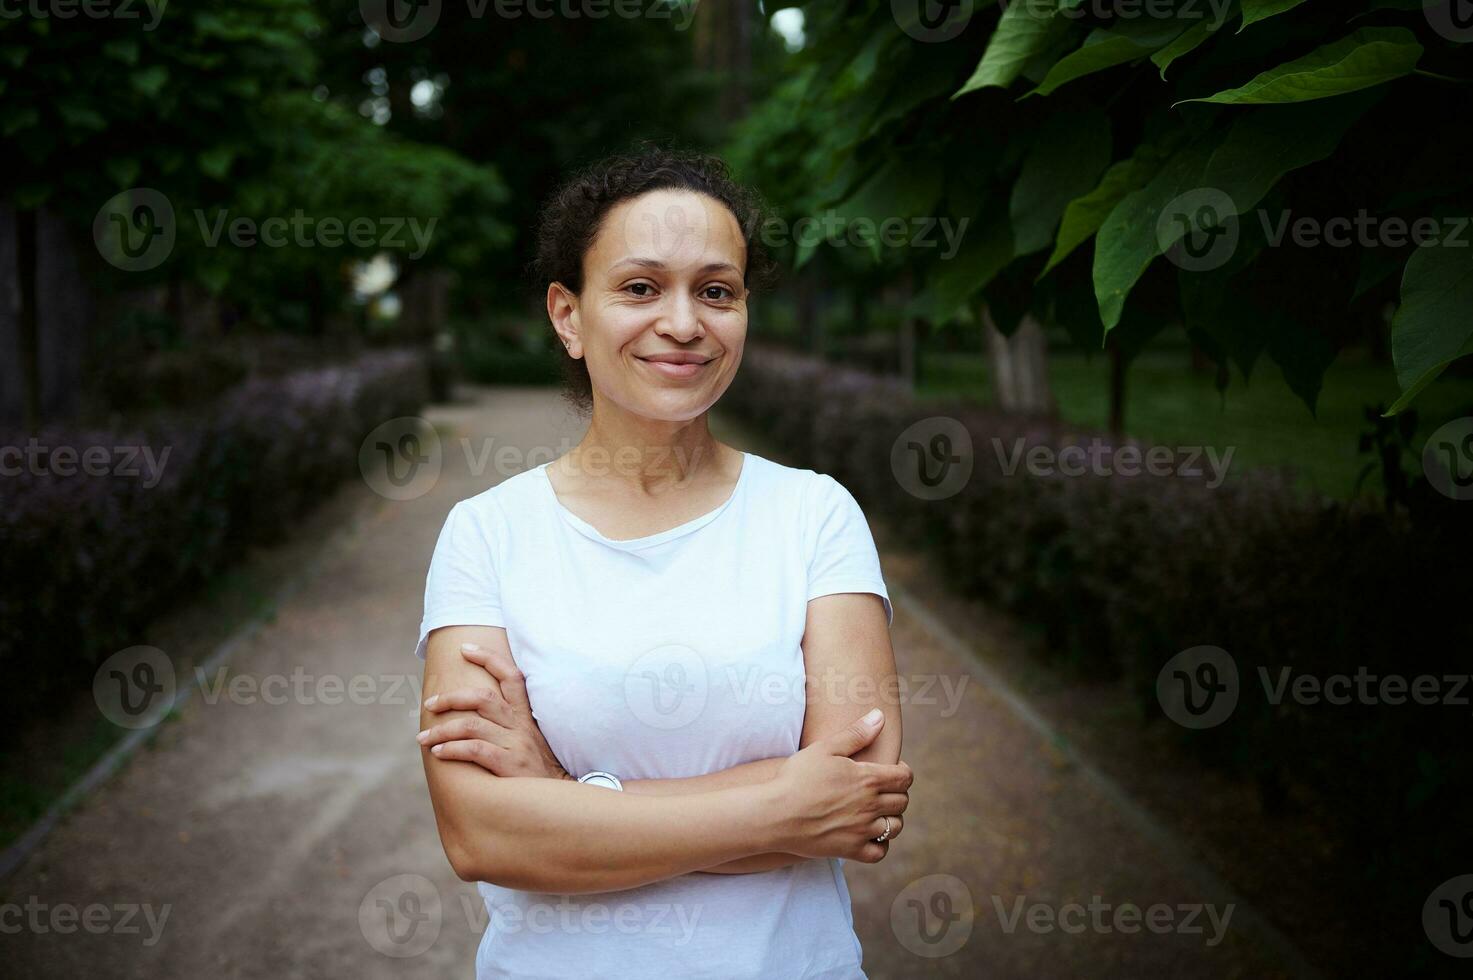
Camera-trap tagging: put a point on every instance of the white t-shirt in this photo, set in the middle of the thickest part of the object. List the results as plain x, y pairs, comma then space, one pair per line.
675, 654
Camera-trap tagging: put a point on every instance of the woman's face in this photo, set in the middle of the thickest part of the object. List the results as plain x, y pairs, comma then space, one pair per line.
662, 316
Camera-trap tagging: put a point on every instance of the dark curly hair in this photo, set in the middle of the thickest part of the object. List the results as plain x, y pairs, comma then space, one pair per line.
571, 217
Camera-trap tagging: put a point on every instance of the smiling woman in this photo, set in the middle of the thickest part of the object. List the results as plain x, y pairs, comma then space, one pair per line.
608, 621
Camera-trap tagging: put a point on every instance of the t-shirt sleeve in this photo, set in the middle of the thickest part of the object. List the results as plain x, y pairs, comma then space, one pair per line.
842, 553
462, 587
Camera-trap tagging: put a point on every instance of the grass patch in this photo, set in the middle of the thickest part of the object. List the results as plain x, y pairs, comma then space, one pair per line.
1167, 403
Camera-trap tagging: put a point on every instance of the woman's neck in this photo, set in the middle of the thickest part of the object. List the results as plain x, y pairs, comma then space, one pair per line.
646, 456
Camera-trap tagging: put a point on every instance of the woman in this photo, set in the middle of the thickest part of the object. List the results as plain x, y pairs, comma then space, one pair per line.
702, 630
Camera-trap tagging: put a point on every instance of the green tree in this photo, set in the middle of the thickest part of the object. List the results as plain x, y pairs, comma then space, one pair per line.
1101, 158
208, 106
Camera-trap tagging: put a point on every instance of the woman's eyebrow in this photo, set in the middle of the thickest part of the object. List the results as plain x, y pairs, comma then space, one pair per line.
657, 265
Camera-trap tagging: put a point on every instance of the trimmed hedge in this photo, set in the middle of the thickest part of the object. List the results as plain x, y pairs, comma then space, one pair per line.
1122, 572
90, 559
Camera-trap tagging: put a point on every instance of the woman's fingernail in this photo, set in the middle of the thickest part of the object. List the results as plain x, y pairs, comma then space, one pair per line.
873, 718
436, 749
430, 701
470, 646
422, 737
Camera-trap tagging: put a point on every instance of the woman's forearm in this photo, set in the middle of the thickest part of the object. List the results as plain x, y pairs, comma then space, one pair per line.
746, 774
590, 839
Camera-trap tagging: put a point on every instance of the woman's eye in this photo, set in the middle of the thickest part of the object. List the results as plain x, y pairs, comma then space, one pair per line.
717, 292
640, 286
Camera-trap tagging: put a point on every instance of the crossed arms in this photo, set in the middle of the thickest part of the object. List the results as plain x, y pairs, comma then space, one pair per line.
508, 814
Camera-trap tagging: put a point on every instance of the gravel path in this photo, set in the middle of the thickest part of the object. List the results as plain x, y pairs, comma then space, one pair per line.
285, 831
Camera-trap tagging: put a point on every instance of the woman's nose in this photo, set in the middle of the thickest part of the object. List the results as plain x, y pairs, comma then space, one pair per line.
681, 321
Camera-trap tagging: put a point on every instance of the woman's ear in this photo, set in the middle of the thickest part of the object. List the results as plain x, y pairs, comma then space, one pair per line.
562, 311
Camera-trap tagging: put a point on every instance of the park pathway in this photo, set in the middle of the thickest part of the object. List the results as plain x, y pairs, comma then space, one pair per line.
295, 838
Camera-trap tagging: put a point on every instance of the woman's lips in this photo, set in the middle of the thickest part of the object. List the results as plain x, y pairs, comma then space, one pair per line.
679, 372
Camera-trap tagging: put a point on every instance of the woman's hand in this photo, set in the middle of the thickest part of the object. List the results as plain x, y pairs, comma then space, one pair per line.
493, 727
833, 806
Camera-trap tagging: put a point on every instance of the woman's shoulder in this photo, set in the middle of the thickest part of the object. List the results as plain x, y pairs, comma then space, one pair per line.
797, 484
511, 496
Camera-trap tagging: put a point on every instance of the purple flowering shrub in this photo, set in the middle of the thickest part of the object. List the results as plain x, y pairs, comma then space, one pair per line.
1119, 573
90, 555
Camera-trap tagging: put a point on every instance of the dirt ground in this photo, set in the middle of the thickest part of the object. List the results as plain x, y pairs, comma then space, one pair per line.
284, 831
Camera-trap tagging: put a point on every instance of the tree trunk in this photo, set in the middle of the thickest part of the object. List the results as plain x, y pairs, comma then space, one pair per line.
1018, 365
64, 312
28, 335
723, 46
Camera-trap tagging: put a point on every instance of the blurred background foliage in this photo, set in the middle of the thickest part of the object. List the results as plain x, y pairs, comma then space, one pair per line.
1052, 134
1052, 174
1062, 135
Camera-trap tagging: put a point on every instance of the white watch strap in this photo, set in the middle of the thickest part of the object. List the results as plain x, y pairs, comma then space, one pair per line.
599, 778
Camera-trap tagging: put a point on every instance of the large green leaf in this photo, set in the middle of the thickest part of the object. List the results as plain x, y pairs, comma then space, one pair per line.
1212, 309
1267, 143
1256, 152
1192, 39
1064, 162
1106, 49
1434, 325
1084, 215
987, 247
1128, 240
1024, 30
1371, 56
1256, 10
903, 189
